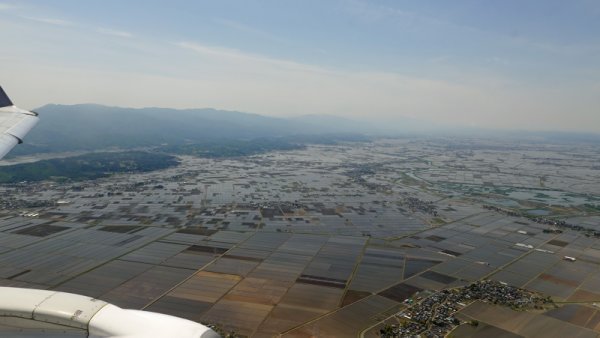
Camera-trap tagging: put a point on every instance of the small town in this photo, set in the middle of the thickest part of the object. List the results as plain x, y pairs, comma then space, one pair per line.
433, 316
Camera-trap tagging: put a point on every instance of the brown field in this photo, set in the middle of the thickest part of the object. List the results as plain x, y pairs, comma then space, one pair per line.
526, 324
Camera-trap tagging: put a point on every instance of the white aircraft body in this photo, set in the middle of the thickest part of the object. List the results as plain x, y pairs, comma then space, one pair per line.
15, 123
43, 313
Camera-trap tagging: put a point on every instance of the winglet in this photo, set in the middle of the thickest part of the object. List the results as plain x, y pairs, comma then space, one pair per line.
4, 100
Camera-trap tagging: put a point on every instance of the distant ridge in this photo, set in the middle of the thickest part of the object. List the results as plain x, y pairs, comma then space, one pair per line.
85, 127
94, 127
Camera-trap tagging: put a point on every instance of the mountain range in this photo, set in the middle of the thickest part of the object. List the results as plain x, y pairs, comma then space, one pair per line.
93, 127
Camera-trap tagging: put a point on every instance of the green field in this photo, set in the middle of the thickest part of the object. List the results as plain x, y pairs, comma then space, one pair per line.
88, 166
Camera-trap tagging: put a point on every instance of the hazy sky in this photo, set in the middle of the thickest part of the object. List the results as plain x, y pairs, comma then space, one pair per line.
502, 64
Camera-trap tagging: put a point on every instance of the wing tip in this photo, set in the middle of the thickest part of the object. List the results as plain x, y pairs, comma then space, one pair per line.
4, 100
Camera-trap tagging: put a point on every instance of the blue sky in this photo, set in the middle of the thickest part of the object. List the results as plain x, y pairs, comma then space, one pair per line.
499, 64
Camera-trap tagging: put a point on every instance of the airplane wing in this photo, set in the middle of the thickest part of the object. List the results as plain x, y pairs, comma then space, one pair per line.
41, 313
15, 123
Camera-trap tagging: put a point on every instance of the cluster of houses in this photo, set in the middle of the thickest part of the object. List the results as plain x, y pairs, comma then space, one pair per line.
434, 316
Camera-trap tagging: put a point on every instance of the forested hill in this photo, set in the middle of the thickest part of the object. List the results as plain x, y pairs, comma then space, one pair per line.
88, 166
